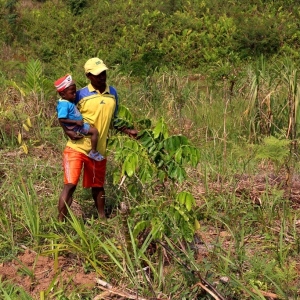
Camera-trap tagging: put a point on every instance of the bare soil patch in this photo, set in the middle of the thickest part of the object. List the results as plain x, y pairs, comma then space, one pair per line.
35, 273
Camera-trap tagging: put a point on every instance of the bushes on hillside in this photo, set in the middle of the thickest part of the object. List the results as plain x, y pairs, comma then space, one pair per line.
176, 34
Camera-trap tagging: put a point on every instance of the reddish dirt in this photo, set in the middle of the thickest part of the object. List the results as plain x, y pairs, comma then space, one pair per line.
68, 275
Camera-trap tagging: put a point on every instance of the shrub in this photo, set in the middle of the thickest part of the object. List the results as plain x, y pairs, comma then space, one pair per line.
263, 38
77, 6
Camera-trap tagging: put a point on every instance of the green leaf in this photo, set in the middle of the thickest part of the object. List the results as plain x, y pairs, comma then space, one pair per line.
146, 138
157, 228
174, 142
189, 202
180, 174
131, 144
171, 169
146, 174
146, 123
177, 216
125, 114
130, 164
139, 227
116, 177
161, 175
151, 149
187, 199
178, 155
158, 129
180, 197
182, 213
190, 155
197, 225
160, 163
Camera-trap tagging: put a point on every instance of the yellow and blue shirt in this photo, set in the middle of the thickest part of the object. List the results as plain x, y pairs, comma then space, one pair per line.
97, 109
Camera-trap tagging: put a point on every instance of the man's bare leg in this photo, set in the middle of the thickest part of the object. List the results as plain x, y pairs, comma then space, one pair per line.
65, 199
98, 194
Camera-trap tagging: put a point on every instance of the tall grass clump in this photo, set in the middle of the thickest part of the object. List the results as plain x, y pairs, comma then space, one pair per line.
8, 291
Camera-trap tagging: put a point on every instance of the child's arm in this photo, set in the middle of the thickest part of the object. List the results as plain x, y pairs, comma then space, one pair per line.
71, 122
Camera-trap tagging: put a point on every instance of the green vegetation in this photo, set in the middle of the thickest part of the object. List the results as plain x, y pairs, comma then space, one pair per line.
205, 204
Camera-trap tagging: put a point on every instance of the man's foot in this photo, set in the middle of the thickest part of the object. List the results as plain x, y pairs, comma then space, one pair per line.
102, 216
95, 155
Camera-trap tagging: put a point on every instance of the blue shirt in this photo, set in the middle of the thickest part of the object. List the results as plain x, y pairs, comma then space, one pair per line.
67, 110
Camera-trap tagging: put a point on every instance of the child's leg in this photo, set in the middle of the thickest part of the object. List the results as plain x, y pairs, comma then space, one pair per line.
93, 132
94, 138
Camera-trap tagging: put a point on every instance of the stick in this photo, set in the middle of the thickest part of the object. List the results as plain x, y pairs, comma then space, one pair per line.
208, 290
266, 294
119, 293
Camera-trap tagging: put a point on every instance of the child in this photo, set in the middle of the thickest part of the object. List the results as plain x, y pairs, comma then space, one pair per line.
70, 117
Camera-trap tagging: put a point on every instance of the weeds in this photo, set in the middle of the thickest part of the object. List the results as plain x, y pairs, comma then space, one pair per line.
9, 291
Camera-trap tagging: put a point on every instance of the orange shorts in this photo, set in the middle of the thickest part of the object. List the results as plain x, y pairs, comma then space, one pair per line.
93, 171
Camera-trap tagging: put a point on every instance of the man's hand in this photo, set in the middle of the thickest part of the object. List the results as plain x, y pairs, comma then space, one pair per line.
130, 132
73, 135
79, 122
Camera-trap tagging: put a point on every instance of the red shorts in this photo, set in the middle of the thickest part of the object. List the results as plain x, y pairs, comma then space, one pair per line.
93, 171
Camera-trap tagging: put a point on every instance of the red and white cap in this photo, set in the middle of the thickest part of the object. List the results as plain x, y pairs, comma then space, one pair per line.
63, 83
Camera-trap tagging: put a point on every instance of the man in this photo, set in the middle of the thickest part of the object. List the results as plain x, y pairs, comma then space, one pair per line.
98, 103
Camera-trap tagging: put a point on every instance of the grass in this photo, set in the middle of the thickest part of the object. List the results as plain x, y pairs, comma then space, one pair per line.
249, 230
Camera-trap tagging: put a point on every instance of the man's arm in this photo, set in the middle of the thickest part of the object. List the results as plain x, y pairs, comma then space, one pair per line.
71, 134
70, 121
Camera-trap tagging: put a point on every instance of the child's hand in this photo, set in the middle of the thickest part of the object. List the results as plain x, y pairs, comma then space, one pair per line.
79, 122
